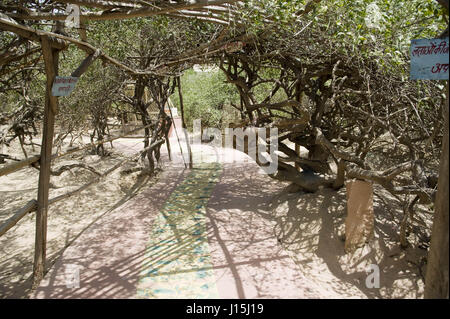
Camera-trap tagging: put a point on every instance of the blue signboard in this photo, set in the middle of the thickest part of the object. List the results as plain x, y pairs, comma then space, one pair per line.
63, 85
429, 59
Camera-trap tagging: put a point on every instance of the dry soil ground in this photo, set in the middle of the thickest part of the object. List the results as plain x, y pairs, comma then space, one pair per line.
307, 228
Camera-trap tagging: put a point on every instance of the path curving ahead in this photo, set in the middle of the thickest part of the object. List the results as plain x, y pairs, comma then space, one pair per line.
204, 233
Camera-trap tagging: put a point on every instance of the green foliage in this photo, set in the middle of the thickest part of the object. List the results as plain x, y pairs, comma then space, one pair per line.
399, 22
344, 23
331, 26
93, 94
207, 96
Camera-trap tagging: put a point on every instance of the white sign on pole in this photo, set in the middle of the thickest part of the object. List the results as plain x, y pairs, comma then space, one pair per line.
63, 85
429, 59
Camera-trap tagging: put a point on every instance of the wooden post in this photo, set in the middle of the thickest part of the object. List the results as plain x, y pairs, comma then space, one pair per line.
167, 133
298, 97
436, 277
297, 151
122, 119
183, 123
436, 280
51, 108
85, 64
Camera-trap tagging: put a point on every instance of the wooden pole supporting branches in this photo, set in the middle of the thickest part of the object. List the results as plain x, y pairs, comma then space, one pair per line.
297, 151
183, 122
51, 108
85, 64
437, 273
436, 280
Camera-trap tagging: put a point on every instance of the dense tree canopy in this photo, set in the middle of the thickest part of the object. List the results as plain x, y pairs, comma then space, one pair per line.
332, 76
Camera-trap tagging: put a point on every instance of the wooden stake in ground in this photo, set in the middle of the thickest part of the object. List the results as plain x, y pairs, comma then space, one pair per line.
297, 151
183, 123
51, 108
436, 281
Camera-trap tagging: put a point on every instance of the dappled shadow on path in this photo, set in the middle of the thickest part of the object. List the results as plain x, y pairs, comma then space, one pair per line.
110, 266
22, 288
263, 243
243, 237
108, 252
311, 227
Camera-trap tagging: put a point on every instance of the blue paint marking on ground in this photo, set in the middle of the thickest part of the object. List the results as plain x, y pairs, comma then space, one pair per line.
177, 262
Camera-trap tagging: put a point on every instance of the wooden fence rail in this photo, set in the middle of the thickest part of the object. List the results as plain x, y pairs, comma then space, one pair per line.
21, 213
14, 167
31, 206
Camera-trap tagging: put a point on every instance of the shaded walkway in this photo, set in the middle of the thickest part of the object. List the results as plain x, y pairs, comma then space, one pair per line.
109, 255
205, 233
249, 261
178, 262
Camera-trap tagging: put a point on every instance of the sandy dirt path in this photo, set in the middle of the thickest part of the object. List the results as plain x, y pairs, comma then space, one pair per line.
109, 254
249, 262
195, 234
223, 230
238, 255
